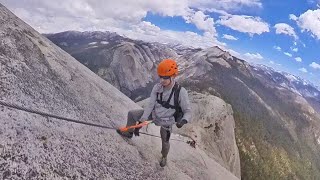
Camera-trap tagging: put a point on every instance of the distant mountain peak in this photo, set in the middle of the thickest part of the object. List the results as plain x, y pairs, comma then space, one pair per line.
289, 81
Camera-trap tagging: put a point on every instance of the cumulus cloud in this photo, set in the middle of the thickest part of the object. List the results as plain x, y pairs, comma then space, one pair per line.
288, 54
146, 28
293, 17
315, 65
149, 32
123, 16
98, 13
126, 17
298, 59
227, 5
202, 22
310, 22
283, 28
234, 53
273, 64
294, 49
245, 24
252, 56
229, 37
304, 70
277, 48
119, 14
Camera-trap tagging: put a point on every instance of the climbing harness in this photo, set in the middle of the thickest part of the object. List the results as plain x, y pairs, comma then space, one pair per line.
166, 104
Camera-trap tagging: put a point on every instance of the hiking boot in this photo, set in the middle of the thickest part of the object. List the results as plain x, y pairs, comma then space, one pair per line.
163, 161
125, 134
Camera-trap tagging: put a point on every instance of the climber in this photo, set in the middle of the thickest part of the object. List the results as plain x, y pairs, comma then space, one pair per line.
168, 104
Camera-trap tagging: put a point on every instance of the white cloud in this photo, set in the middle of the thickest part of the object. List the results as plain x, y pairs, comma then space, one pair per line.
304, 70
126, 17
283, 28
229, 37
92, 14
310, 21
149, 32
277, 48
203, 22
61, 15
293, 17
146, 28
315, 65
271, 62
92, 43
123, 16
294, 49
314, 2
298, 59
288, 54
251, 56
227, 5
245, 24
234, 53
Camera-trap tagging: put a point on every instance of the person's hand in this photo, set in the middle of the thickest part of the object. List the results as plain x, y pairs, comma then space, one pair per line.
136, 130
181, 123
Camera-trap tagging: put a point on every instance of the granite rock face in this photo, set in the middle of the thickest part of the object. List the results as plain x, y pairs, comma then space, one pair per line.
212, 128
37, 74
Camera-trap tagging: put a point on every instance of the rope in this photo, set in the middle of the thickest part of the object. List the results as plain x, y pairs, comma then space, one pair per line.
160, 137
53, 116
69, 119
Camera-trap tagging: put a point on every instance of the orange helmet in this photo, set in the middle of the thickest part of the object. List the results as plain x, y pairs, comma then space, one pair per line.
168, 67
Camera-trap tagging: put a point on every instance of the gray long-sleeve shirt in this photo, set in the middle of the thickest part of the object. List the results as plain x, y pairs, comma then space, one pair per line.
163, 116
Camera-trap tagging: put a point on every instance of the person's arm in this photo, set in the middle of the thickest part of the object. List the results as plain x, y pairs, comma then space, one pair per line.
185, 106
152, 102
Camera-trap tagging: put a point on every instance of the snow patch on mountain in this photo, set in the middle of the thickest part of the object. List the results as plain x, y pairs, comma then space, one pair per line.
92, 43
104, 42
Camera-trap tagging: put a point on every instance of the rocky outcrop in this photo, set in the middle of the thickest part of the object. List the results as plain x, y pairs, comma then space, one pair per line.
134, 65
127, 64
212, 128
201, 62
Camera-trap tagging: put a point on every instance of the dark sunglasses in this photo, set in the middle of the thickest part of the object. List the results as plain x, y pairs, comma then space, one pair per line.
164, 77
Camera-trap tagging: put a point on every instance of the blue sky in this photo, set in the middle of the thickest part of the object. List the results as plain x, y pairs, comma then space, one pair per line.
272, 12
283, 34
